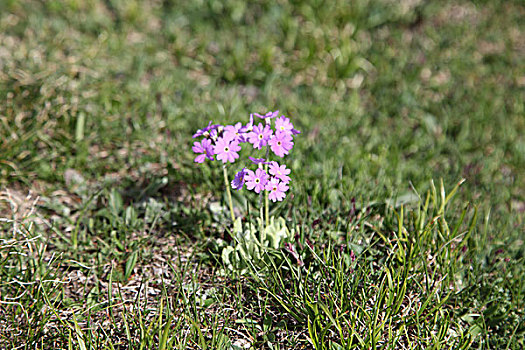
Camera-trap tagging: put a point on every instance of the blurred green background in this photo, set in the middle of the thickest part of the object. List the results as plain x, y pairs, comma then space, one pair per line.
386, 92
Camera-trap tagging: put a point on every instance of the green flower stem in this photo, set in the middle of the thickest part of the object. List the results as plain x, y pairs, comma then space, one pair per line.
261, 211
266, 202
228, 192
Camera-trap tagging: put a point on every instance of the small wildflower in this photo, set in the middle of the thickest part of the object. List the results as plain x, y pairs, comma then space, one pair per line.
215, 132
233, 132
268, 115
256, 180
224, 142
260, 136
226, 150
283, 124
238, 181
248, 127
280, 172
277, 190
204, 131
258, 160
205, 148
281, 143
201, 132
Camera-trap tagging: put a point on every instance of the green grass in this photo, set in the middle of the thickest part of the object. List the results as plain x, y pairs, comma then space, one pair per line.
110, 238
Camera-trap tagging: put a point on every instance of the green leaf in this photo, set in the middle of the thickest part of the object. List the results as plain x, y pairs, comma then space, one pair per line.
115, 202
79, 130
130, 264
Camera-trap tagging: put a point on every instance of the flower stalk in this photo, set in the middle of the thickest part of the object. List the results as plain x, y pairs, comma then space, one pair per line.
261, 205
266, 201
228, 192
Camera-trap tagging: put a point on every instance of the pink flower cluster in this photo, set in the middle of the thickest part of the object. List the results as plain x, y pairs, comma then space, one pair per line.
224, 142
276, 183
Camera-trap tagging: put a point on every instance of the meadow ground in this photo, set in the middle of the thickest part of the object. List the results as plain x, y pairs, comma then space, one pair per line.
111, 236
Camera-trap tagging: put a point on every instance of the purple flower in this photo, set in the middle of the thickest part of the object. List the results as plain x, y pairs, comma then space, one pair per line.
205, 148
215, 132
277, 189
260, 135
258, 160
226, 150
248, 127
233, 132
238, 181
201, 132
256, 180
283, 124
268, 115
280, 172
245, 130
281, 143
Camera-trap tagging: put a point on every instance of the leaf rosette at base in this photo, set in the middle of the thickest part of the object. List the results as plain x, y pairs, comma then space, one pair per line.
253, 245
